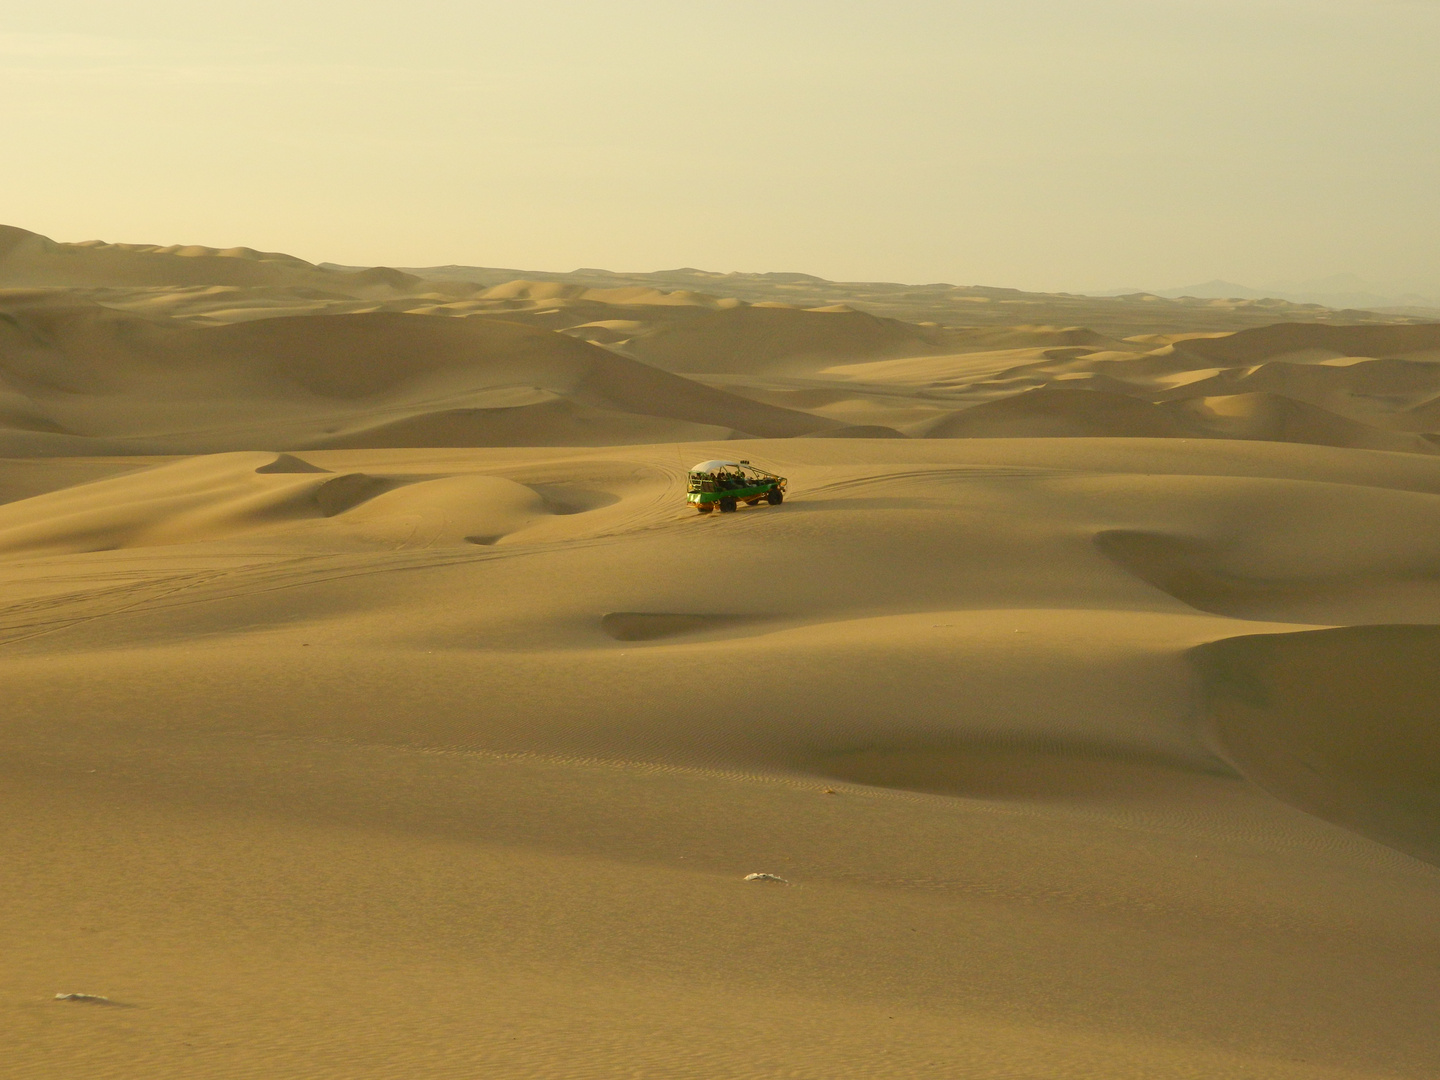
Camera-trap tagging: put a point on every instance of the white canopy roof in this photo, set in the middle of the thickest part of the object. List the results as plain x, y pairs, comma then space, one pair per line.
714, 466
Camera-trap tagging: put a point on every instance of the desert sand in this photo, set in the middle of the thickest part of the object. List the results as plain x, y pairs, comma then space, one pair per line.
374, 706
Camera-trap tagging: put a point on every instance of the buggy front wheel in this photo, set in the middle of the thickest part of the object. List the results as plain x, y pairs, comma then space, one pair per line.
727, 506
774, 496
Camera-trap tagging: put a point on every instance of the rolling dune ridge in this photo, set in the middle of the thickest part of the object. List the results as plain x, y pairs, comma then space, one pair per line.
374, 705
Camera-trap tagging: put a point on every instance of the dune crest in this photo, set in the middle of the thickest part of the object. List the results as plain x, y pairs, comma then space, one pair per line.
354, 380
182, 502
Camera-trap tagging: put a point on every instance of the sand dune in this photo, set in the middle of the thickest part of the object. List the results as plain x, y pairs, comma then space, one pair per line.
762, 339
1289, 339
946, 304
74, 372
1047, 412
374, 704
28, 259
1274, 385
364, 379
1279, 418
1375, 383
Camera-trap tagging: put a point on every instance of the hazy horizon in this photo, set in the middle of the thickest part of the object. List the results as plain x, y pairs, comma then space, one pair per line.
1040, 146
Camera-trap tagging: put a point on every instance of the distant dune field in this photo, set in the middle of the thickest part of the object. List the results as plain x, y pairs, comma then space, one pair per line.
375, 706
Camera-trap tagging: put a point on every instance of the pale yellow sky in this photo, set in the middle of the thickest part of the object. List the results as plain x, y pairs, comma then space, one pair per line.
1034, 144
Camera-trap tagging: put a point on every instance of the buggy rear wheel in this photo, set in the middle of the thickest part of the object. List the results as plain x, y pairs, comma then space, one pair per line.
704, 508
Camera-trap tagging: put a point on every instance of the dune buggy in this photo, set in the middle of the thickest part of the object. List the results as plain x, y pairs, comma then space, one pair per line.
727, 484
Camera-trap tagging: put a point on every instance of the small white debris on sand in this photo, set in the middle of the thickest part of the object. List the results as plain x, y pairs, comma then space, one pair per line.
766, 877
93, 999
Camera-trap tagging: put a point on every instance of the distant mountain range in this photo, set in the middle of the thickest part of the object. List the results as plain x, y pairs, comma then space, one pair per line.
217, 285
1120, 311
1335, 291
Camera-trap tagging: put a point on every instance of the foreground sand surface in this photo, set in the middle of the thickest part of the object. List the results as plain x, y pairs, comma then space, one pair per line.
372, 705
457, 770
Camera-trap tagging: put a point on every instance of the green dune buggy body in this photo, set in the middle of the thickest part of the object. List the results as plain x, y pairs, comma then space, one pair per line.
726, 484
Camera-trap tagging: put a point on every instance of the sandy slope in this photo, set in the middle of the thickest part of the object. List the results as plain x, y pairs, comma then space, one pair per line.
453, 761
79, 378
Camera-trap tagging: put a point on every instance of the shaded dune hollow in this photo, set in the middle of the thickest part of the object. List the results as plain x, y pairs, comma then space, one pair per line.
1343, 723
1190, 570
656, 626
1015, 769
1059, 413
1396, 576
